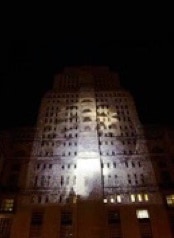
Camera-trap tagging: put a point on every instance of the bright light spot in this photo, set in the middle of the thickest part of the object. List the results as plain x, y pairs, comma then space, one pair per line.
139, 196
146, 197
142, 214
112, 200
88, 154
105, 200
118, 198
74, 199
88, 177
87, 165
170, 199
132, 197
105, 171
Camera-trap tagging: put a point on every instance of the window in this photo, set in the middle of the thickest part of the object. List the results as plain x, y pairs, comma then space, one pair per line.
86, 110
66, 218
62, 180
36, 224
129, 179
118, 197
66, 229
132, 197
113, 217
7, 205
139, 197
142, 214
144, 223
112, 200
146, 197
37, 218
5, 225
86, 119
170, 200
142, 178
42, 181
105, 200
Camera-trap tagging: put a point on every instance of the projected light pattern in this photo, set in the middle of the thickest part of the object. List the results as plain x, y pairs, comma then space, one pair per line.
90, 142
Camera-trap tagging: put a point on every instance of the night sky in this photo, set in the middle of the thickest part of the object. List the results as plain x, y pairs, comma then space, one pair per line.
145, 68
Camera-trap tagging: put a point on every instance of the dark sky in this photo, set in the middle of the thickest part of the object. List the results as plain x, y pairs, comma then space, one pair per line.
145, 67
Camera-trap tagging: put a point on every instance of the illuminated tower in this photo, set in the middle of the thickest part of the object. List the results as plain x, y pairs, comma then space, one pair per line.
88, 168
89, 143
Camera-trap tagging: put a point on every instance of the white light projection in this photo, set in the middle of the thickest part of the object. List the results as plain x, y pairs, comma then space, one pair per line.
89, 183
88, 159
81, 130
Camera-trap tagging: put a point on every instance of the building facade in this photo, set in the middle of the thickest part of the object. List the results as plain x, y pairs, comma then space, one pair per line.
89, 169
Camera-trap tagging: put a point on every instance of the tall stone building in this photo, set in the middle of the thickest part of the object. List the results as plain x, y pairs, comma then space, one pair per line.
89, 168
